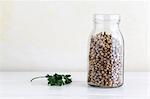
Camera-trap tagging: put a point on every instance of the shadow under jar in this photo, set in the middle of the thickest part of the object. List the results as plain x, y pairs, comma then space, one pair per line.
106, 52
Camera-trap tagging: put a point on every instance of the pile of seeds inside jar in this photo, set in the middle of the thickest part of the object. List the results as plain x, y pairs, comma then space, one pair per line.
105, 61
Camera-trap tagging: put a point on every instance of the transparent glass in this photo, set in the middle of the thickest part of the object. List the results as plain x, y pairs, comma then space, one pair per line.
106, 52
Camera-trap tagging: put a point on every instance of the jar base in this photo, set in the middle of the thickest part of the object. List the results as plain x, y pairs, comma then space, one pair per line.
101, 86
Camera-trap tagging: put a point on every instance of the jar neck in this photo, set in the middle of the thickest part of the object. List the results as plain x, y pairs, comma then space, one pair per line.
106, 26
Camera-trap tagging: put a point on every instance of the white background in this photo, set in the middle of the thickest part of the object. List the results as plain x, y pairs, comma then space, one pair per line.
53, 36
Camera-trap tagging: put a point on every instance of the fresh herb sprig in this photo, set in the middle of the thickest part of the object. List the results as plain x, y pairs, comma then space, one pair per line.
56, 79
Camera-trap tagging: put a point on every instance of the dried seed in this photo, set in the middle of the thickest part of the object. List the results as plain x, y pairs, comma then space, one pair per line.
105, 61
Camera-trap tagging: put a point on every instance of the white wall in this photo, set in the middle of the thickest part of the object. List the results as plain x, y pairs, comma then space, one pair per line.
52, 36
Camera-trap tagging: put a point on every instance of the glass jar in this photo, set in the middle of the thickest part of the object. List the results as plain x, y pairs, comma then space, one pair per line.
106, 52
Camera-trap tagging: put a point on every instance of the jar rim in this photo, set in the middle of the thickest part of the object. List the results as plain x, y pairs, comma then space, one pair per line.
107, 17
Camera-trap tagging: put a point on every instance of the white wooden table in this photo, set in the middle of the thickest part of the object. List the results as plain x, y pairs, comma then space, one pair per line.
17, 85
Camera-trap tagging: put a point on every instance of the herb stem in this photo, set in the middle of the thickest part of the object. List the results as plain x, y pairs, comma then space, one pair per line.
37, 78
56, 79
